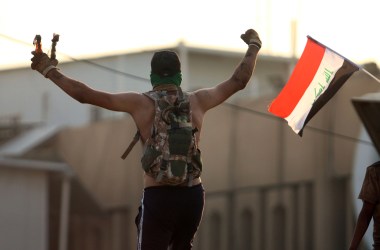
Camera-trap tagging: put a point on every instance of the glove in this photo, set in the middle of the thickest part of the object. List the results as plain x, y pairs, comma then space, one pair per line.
42, 63
251, 37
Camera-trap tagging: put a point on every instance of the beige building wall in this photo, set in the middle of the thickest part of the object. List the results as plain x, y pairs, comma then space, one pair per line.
23, 209
303, 184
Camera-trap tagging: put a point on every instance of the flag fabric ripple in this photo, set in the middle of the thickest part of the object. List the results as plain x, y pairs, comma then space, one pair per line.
317, 76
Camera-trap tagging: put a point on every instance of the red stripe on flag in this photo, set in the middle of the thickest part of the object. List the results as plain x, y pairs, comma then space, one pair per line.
299, 81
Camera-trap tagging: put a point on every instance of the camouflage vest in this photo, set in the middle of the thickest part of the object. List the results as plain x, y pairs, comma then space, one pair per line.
171, 155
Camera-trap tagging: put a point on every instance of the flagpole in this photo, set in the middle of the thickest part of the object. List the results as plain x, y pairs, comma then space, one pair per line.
372, 76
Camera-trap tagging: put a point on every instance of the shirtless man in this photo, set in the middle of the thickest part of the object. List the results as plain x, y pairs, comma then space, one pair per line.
180, 224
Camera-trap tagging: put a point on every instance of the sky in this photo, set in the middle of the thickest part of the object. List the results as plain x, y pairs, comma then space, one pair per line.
89, 28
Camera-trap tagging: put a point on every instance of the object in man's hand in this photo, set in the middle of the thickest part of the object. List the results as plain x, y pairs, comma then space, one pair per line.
54, 43
37, 44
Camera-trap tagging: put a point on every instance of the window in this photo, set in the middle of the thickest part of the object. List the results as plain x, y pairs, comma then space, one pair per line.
278, 226
215, 230
246, 230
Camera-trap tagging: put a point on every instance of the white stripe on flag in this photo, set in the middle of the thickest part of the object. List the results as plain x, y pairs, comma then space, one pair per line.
330, 64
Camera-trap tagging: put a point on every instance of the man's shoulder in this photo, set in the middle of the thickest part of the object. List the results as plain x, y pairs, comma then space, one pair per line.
374, 170
375, 165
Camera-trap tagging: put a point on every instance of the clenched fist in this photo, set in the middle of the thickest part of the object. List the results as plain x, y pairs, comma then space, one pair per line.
251, 37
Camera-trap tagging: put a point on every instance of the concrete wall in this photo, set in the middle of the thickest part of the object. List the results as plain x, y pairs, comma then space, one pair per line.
23, 209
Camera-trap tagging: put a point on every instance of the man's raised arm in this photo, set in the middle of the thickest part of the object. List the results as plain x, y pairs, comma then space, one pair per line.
211, 97
81, 92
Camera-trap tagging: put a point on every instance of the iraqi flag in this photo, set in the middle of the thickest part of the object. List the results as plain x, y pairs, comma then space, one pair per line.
317, 76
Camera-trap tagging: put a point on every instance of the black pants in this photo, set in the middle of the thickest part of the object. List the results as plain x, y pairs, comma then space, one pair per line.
169, 217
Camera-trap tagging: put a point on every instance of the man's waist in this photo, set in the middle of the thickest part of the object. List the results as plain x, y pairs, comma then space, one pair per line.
151, 182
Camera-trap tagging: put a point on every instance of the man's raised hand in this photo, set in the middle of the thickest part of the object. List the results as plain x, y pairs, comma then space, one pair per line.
251, 37
41, 61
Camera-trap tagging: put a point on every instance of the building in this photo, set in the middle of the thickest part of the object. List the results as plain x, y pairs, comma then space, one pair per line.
266, 188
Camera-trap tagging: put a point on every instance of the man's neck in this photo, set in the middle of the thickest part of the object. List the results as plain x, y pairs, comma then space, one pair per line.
166, 87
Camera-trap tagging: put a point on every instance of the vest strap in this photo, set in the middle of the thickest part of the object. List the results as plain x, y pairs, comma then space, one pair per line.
131, 145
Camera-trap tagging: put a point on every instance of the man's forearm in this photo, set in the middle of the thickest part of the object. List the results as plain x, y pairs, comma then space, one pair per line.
362, 224
73, 88
246, 67
360, 230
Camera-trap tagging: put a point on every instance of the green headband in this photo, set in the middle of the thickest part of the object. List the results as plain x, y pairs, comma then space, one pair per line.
175, 79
